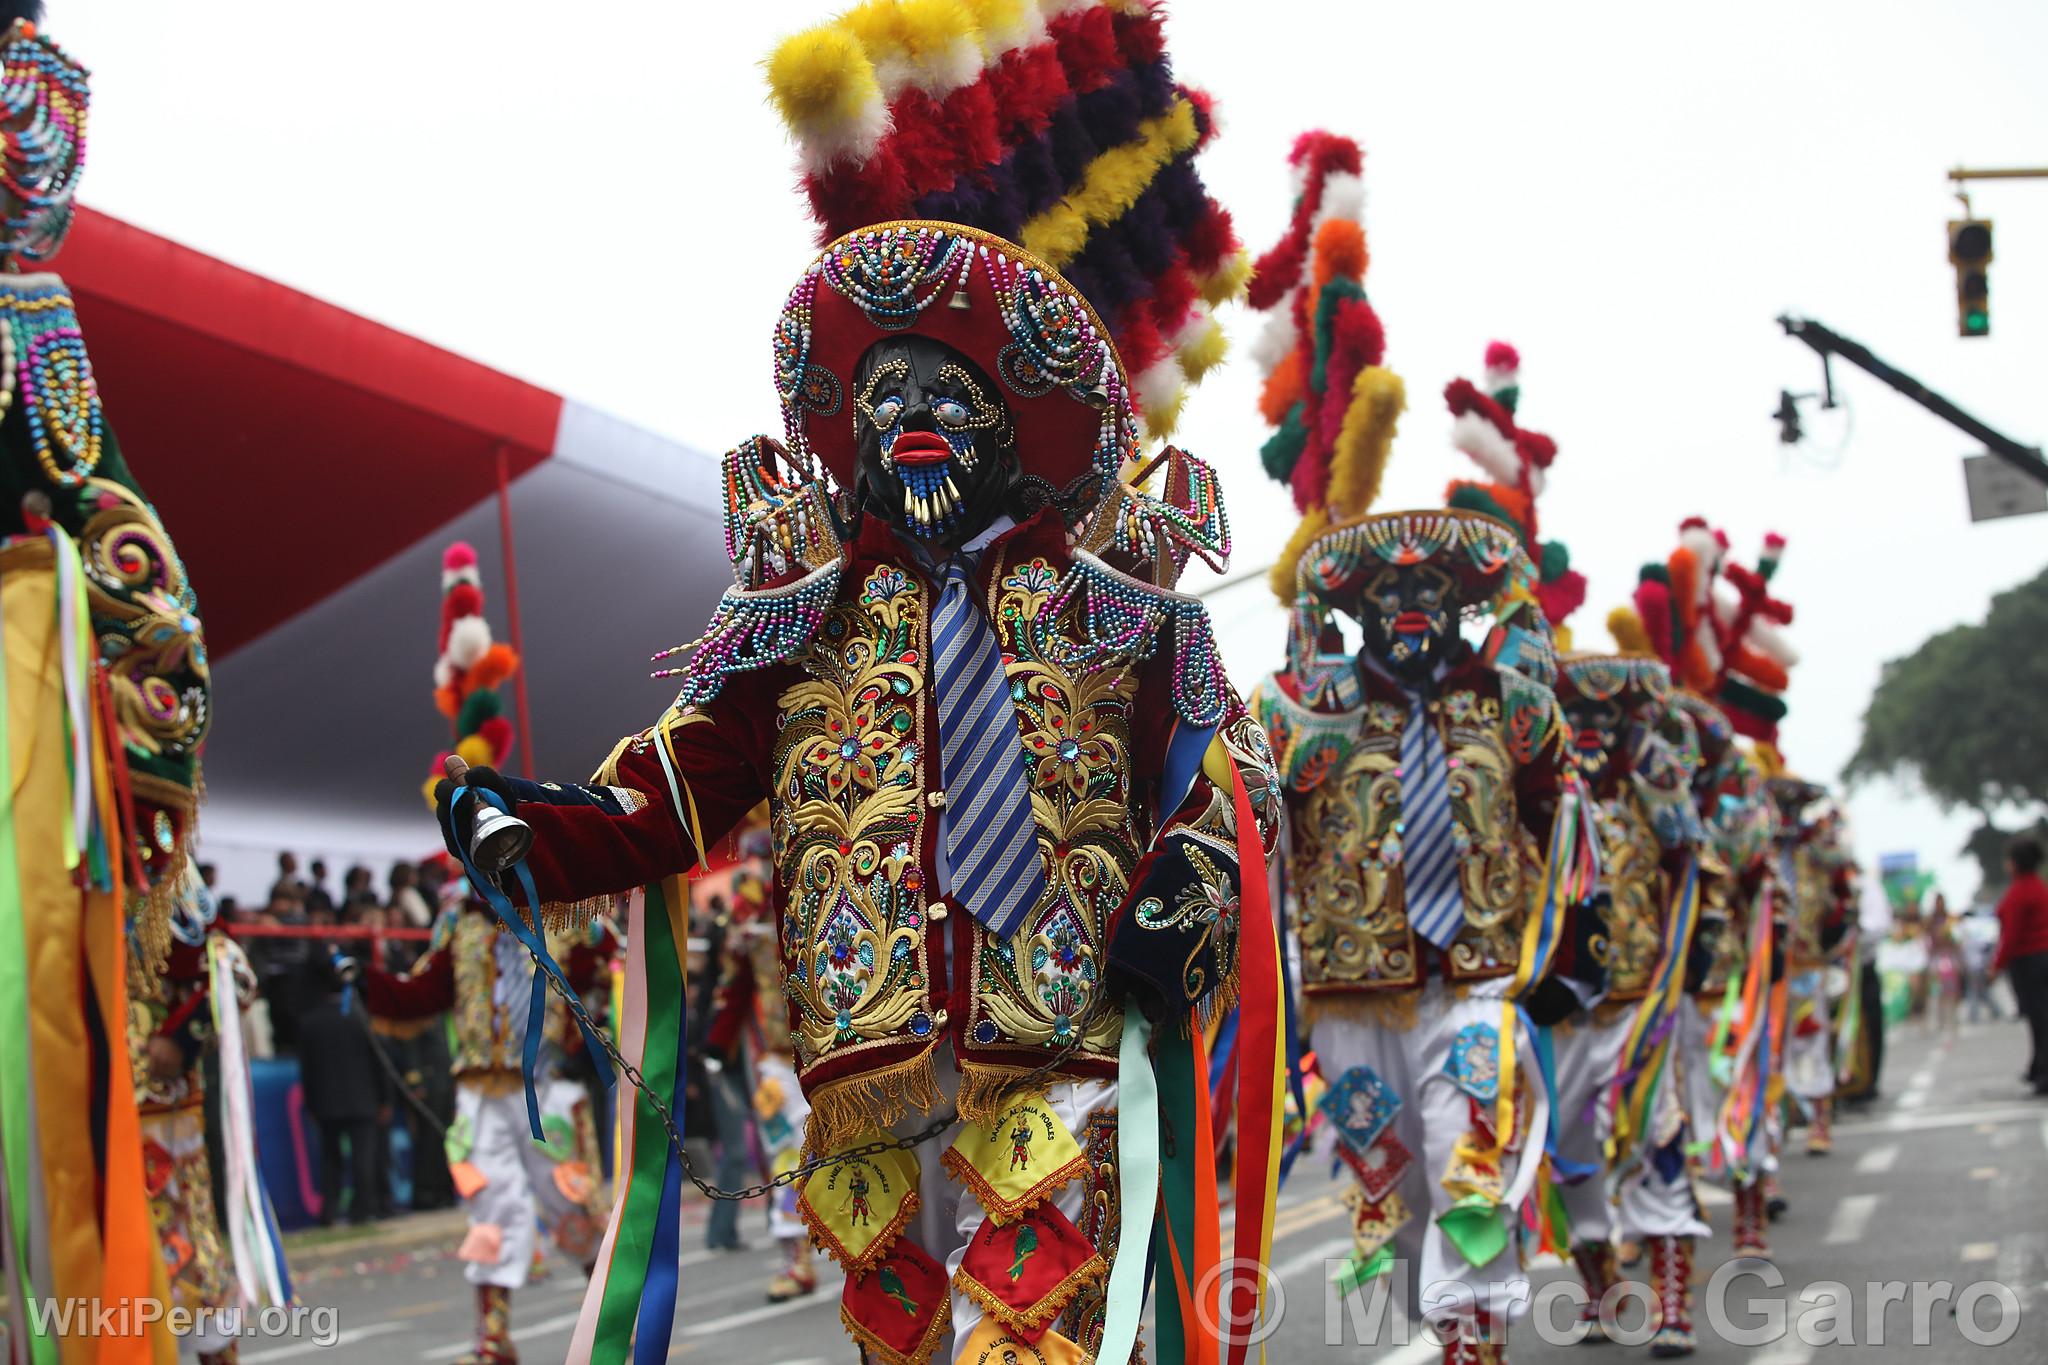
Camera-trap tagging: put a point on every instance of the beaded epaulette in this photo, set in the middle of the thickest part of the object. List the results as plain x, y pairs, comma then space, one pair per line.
1307, 744
44, 367
1124, 620
1531, 718
778, 520
1135, 536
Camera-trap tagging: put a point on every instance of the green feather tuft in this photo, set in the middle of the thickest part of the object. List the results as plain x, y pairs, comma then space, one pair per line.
1283, 448
1655, 573
480, 707
1557, 560
1333, 296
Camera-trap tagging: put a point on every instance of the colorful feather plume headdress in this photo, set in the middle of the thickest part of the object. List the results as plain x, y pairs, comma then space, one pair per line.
1331, 403
1516, 462
1054, 124
1715, 622
469, 669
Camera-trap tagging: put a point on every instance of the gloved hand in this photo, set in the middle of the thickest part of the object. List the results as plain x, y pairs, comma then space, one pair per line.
1550, 1002
459, 822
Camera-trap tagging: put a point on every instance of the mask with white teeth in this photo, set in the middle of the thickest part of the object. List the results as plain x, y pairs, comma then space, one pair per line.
938, 452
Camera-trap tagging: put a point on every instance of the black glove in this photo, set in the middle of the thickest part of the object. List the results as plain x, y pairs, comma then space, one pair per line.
1550, 1002
458, 824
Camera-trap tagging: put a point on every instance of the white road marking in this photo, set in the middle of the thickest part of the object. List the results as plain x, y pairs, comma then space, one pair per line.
531, 1329
1980, 1251
1913, 1099
346, 1337
1983, 1173
1852, 1216
1920, 1123
821, 1299
1877, 1160
1786, 1353
1312, 1259
1714, 1197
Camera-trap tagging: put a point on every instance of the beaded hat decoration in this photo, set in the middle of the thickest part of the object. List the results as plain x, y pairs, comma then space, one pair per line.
1630, 679
1481, 553
43, 99
1056, 124
1006, 310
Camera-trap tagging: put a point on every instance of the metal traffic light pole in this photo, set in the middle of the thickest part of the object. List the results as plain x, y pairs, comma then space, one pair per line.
2026, 459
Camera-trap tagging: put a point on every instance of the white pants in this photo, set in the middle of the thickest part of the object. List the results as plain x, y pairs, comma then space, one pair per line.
1810, 1057
1587, 1056
516, 1171
947, 1217
1434, 1114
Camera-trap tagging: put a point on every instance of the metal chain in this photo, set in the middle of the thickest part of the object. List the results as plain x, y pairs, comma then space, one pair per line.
805, 1169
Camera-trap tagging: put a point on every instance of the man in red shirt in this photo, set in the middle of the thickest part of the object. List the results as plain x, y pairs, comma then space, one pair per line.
2023, 949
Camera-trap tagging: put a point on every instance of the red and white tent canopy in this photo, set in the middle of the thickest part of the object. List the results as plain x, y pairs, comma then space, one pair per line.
311, 465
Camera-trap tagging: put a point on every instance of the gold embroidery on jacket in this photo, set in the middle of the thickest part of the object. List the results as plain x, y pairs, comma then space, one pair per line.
1042, 986
1631, 940
848, 798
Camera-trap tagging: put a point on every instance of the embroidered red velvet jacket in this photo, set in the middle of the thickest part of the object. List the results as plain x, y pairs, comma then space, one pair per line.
1342, 774
878, 966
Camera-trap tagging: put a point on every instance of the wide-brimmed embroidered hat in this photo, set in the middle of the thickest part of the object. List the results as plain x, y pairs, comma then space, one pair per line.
1029, 330
1477, 550
1630, 679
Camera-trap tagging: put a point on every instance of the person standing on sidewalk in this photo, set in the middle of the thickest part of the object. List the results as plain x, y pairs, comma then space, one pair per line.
346, 1092
2023, 949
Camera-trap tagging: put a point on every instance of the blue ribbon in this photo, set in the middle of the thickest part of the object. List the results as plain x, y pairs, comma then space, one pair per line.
1294, 1048
1546, 1066
535, 944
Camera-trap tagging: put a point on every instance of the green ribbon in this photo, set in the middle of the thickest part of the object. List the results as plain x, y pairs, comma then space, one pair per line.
1356, 1272
1137, 1162
1475, 1227
620, 1308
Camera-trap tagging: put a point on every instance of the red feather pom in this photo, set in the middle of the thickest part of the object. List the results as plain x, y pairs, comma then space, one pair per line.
1562, 596
460, 555
1653, 605
497, 732
1501, 356
464, 599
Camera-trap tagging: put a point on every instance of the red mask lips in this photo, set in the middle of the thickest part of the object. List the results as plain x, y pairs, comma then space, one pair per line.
1413, 623
920, 448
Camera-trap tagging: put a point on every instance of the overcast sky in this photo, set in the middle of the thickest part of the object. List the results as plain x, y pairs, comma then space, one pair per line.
1629, 194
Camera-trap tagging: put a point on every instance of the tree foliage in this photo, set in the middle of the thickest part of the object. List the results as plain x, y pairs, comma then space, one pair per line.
1967, 712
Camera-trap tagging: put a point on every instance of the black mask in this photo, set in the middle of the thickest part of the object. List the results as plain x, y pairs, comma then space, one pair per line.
937, 449
1596, 735
1409, 614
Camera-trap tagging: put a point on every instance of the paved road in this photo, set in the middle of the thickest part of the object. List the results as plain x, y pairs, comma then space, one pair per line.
1945, 1178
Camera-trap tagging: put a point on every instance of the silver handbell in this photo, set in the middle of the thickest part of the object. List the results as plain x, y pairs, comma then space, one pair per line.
499, 838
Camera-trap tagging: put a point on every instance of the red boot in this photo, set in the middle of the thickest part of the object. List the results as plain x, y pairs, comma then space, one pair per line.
1598, 1271
1473, 1341
1671, 1281
493, 1328
1820, 1138
1749, 1222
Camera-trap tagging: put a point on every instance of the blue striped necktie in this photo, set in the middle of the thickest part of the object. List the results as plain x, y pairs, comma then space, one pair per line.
991, 838
1429, 853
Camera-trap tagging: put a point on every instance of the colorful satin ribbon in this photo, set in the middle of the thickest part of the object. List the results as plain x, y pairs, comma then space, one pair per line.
1647, 1048
1137, 1160
1262, 1070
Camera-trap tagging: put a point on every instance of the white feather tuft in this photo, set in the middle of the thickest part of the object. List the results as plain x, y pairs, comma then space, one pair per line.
468, 638
1769, 640
1276, 337
822, 145
1705, 546
466, 574
1343, 197
444, 673
1493, 452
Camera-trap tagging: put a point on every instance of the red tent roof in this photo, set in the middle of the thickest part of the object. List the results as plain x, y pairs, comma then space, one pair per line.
294, 446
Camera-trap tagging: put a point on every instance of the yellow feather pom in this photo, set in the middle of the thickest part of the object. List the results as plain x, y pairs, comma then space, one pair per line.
1163, 416
477, 752
427, 789
1229, 281
1627, 629
1005, 24
824, 87
1205, 351
1561, 638
1110, 185
1283, 572
1359, 459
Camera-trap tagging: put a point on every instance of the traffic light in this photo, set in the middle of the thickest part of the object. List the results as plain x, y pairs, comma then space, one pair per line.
1969, 251
1788, 418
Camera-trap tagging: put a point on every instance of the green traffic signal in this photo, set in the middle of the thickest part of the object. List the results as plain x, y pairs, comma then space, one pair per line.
1976, 323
